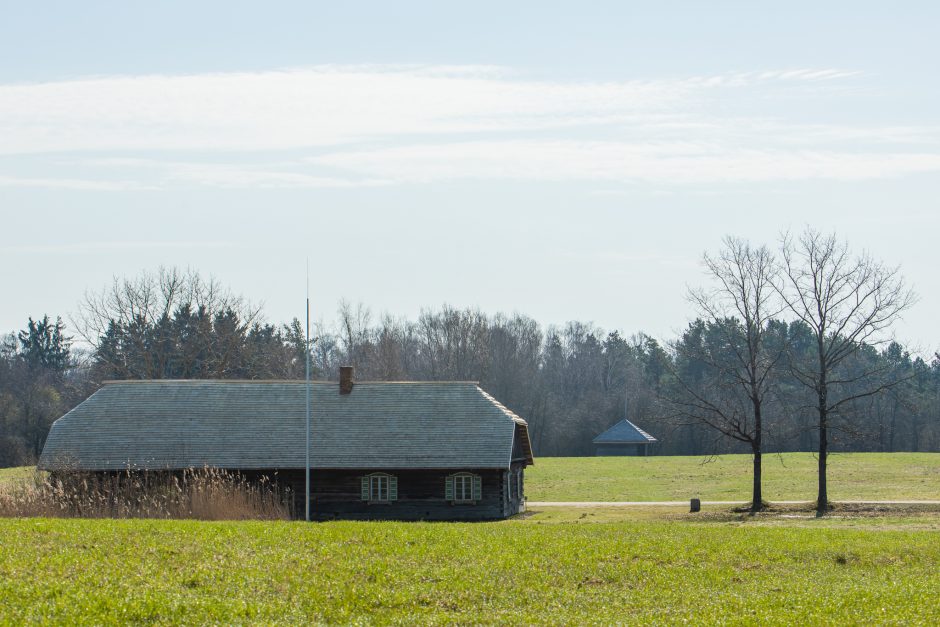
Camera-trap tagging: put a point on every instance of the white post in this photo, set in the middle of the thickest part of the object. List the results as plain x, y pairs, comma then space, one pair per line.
307, 386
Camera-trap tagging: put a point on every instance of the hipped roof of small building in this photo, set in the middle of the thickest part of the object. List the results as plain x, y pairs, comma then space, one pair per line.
246, 425
624, 432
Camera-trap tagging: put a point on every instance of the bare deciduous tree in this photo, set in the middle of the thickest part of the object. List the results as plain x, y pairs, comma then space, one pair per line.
356, 332
454, 344
143, 310
739, 361
848, 302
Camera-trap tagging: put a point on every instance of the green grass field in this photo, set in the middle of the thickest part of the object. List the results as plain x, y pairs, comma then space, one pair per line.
894, 518
561, 565
516, 572
13, 474
788, 477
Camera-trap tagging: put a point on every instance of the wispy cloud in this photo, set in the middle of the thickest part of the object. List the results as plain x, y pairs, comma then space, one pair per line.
371, 125
73, 248
258, 177
326, 105
620, 161
72, 183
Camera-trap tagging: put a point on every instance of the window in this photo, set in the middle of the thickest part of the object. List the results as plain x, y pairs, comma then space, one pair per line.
379, 488
463, 488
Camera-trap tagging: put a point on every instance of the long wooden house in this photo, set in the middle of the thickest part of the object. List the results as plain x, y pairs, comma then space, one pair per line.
378, 450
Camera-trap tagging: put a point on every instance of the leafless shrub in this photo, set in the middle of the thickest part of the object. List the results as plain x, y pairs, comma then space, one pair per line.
200, 494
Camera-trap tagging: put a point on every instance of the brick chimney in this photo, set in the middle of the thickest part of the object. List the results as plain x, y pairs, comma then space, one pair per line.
345, 380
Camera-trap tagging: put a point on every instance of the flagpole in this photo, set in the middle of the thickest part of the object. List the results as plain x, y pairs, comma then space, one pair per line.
307, 386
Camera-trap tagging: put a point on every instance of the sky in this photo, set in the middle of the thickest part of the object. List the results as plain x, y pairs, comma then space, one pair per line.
569, 161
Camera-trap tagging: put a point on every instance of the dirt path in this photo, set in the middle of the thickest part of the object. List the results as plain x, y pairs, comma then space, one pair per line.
593, 504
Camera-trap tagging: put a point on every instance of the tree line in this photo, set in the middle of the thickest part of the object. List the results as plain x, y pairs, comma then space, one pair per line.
783, 348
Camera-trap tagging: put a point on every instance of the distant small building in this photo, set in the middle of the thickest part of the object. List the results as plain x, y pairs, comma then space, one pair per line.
623, 439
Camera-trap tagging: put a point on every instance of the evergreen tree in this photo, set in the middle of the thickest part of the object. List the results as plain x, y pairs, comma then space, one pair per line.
43, 345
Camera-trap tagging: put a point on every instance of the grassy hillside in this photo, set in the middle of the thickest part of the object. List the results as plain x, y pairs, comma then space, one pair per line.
12, 474
790, 477
68, 571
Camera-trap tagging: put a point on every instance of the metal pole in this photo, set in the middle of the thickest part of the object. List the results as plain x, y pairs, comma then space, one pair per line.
307, 386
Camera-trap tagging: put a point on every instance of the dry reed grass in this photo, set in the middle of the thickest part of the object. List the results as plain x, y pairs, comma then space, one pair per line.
201, 494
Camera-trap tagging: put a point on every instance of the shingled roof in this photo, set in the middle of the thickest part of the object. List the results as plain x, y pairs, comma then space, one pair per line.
624, 432
260, 425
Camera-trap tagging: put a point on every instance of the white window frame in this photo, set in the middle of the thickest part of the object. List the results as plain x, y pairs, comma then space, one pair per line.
378, 489
464, 488
382, 488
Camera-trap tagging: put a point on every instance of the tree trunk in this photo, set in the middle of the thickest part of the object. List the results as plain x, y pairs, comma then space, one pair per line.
757, 500
822, 499
894, 423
